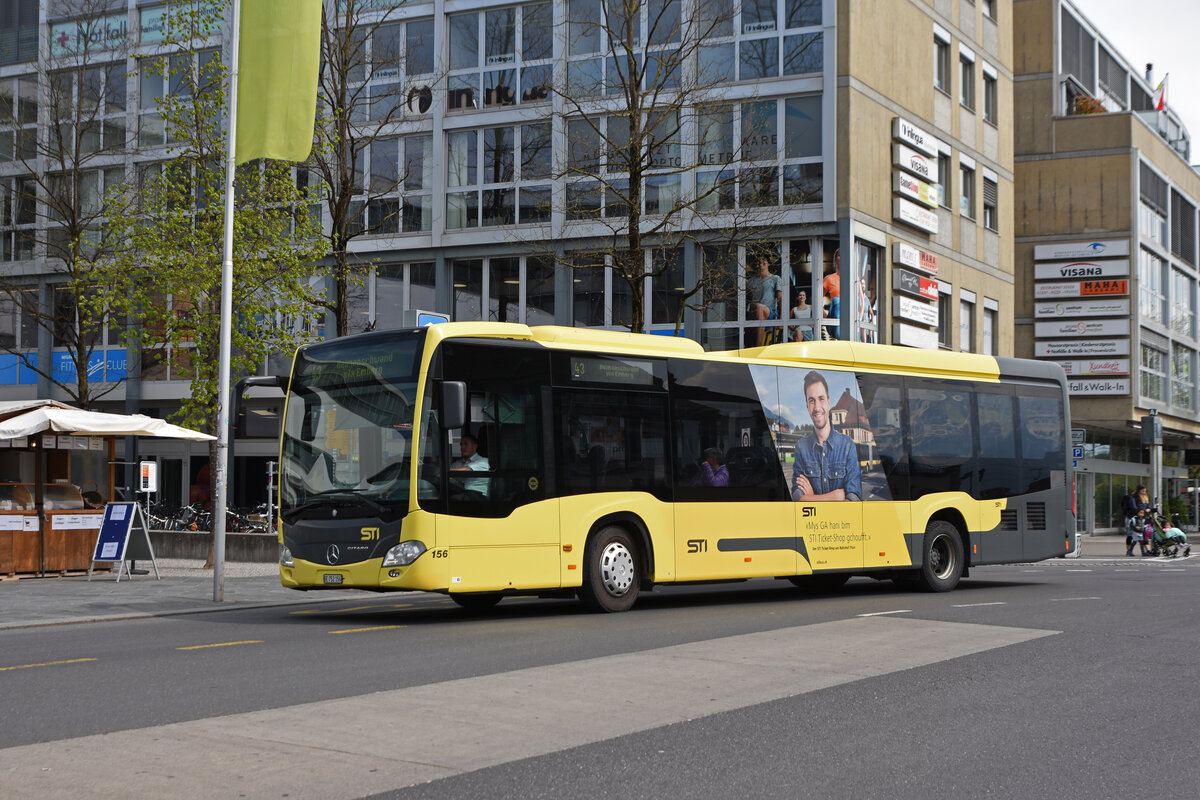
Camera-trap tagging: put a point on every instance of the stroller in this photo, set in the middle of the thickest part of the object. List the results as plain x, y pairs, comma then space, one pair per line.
1167, 540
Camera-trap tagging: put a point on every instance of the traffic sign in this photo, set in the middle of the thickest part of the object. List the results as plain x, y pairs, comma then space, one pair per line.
1076, 452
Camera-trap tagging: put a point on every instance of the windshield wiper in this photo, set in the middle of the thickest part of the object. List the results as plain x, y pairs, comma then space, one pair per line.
331, 497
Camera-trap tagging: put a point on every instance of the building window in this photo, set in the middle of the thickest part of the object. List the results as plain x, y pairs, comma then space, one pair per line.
1078, 51
990, 201
989, 9
501, 56
1153, 373
18, 218
495, 175
18, 118
1151, 294
966, 322
990, 316
1183, 306
1183, 385
991, 103
1183, 228
166, 79
944, 316
941, 63
966, 82
943, 183
966, 191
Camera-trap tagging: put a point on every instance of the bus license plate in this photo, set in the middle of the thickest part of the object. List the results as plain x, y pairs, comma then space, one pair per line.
333, 578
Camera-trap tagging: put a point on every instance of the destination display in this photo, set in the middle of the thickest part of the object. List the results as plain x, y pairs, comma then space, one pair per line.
1082, 308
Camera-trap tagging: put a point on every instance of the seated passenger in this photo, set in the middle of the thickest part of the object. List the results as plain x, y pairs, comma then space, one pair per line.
713, 471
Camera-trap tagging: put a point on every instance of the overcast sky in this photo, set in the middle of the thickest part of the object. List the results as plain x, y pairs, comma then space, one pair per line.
1164, 33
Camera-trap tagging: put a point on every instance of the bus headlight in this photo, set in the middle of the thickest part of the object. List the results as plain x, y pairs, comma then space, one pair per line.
285, 556
403, 554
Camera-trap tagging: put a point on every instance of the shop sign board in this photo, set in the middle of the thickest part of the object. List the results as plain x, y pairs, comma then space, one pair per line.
1081, 347
912, 283
1098, 386
1101, 288
1096, 366
1105, 248
912, 336
918, 311
910, 213
905, 131
915, 189
1061, 270
1081, 327
1082, 308
905, 255
918, 164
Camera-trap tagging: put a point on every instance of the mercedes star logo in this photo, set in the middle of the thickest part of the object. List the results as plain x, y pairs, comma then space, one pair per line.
332, 554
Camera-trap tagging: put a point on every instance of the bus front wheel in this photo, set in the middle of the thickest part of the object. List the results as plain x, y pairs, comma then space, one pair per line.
942, 562
610, 578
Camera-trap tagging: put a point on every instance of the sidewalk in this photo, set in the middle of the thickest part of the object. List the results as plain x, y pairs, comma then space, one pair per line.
185, 588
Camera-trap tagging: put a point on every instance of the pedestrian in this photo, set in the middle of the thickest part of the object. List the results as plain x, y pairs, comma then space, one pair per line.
1130, 504
1136, 532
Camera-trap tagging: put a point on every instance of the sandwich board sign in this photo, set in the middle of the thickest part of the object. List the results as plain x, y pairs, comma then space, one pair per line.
123, 537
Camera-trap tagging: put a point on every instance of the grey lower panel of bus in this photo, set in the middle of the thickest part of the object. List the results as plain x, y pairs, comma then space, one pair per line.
1031, 529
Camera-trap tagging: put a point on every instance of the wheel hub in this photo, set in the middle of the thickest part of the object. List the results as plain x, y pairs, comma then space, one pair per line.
616, 569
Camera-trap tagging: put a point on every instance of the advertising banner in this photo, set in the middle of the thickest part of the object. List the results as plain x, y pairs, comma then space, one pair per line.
1082, 327
1099, 386
906, 255
1083, 347
1106, 248
1082, 308
1096, 366
1061, 270
915, 189
919, 311
910, 134
912, 283
910, 213
1046, 291
924, 167
912, 336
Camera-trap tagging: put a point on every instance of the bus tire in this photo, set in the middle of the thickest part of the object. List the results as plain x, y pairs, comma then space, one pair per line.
830, 582
477, 602
611, 571
942, 557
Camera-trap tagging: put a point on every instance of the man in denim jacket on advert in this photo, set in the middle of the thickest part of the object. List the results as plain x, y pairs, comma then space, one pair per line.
825, 464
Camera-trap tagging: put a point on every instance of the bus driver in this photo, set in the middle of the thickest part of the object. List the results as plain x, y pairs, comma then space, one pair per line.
825, 463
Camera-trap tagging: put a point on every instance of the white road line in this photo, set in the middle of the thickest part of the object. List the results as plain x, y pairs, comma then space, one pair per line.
885, 613
424, 733
1079, 570
1065, 599
976, 605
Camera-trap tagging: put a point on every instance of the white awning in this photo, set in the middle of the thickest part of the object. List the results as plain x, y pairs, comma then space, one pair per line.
26, 418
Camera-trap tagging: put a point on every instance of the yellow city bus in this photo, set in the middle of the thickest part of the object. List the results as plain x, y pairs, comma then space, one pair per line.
491, 459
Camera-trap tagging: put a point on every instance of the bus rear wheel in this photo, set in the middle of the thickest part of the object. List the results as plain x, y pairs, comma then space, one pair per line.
942, 562
610, 578
477, 602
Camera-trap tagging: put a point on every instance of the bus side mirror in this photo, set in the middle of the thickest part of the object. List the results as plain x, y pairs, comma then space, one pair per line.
454, 404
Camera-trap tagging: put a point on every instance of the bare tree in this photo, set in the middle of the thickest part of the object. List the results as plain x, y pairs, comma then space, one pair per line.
375, 72
63, 135
652, 161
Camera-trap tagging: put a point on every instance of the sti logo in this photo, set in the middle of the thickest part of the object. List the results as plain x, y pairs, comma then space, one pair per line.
1097, 247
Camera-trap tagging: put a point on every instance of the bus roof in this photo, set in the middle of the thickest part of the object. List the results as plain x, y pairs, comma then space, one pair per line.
883, 358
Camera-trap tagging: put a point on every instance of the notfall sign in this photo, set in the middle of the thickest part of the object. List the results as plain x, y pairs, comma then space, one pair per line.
1081, 347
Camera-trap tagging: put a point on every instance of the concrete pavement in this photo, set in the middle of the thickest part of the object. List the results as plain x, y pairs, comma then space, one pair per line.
187, 588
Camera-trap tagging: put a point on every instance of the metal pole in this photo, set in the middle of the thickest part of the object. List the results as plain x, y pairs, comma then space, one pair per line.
218, 522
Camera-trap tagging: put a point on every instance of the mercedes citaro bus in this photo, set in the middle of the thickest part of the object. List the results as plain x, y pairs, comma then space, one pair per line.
489, 459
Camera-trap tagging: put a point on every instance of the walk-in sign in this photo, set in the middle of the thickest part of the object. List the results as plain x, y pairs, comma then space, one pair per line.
123, 537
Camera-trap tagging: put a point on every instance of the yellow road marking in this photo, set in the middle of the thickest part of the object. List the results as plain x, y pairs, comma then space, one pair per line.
364, 630
355, 608
48, 664
219, 644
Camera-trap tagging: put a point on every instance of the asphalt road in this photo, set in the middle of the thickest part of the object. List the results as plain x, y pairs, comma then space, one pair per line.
1056, 680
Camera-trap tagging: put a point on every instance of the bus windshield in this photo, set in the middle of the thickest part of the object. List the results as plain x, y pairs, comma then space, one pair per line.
347, 434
